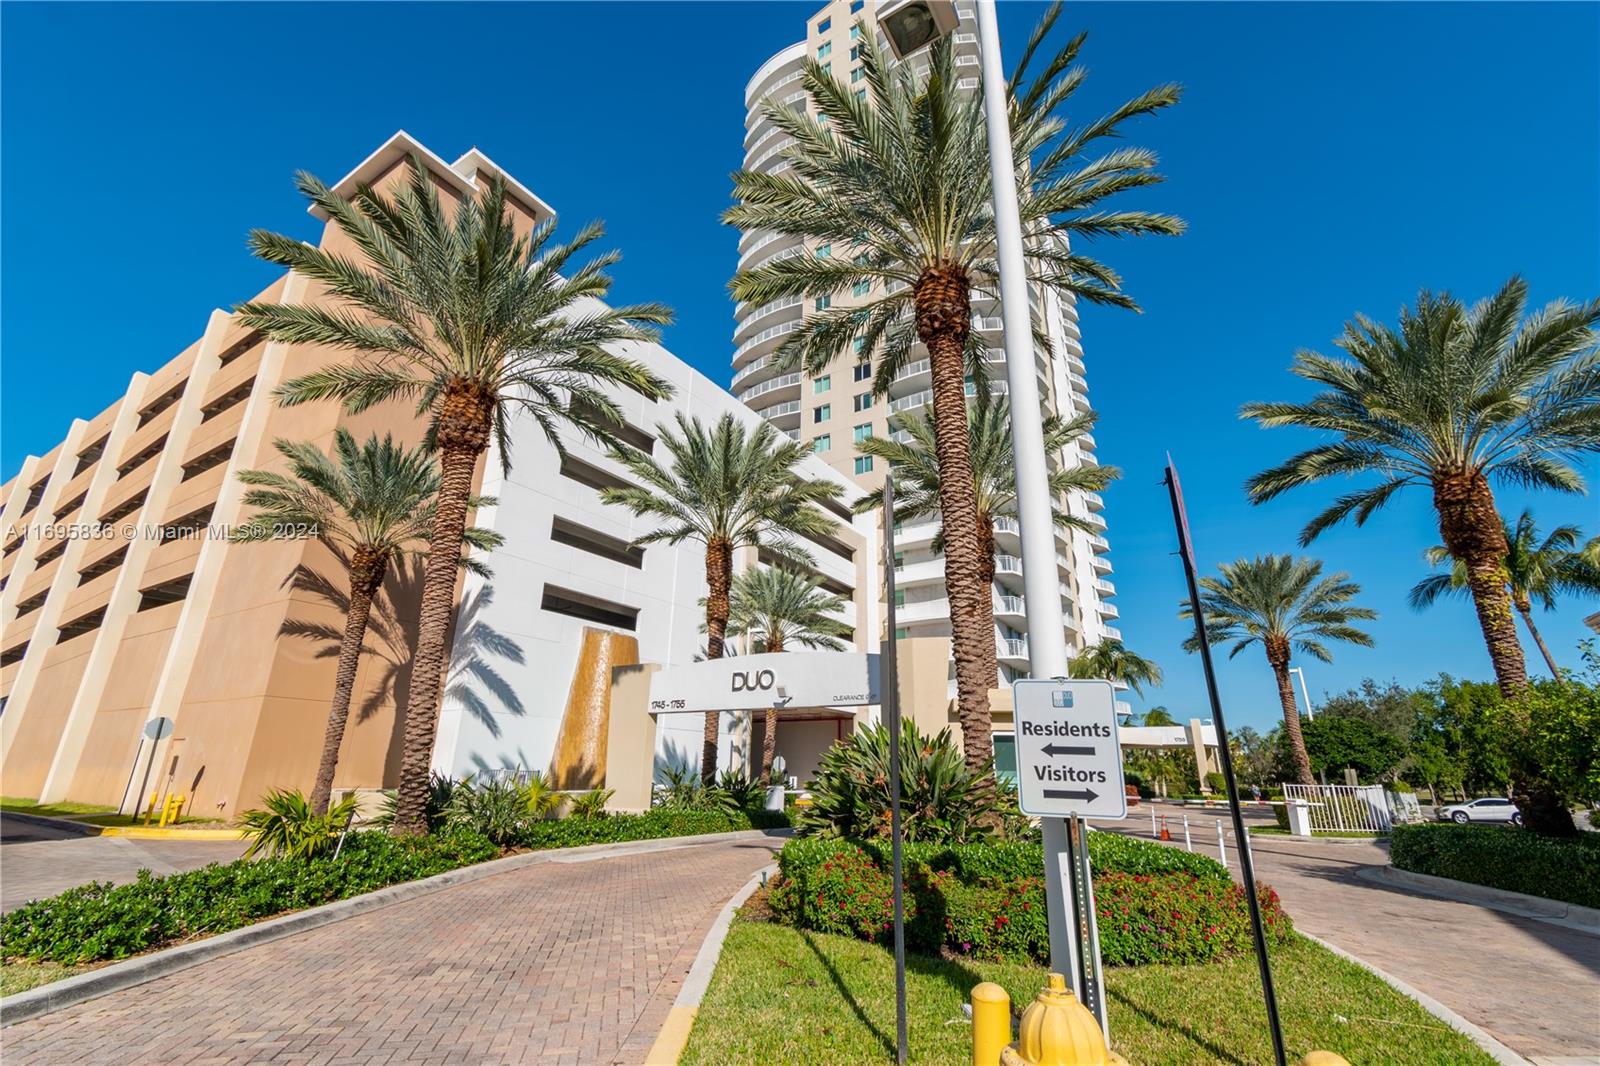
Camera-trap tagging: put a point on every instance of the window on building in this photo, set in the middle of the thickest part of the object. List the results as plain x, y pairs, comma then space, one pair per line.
164, 593
855, 53
858, 345
863, 464
863, 370
825, 251
855, 6
1005, 757
863, 401
855, 32
570, 533
825, 25
861, 432
857, 74
861, 288
899, 560
827, 70
822, 412
901, 633
861, 96
822, 443
899, 597
589, 608
822, 384
822, 303
824, 50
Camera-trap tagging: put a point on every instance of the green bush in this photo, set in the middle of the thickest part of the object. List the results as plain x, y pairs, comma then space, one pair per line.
1562, 868
659, 822
1217, 783
286, 826
1171, 916
100, 921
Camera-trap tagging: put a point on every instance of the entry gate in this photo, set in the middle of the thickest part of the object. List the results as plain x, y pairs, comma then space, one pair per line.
1343, 808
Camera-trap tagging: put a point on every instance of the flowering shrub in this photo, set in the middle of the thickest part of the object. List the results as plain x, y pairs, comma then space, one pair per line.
1177, 918
952, 902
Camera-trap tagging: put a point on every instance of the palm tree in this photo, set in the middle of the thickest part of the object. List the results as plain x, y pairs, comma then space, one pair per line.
457, 313
1158, 716
726, 487
914, 462
1283, 604
1110, 660
891, 193
1454, 398
373, 504
1532, 570
779, 607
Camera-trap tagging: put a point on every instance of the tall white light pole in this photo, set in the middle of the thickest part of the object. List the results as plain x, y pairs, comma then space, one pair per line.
1310, 715
1047, 645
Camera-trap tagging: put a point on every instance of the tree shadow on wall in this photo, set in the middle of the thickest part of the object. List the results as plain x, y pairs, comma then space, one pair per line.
473, 681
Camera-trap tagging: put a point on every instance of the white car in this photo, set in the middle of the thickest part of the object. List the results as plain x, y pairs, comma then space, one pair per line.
1488, 809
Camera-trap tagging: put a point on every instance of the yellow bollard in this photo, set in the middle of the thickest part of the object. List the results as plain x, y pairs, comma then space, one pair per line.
1057, 1030
1323, 1058
991, 1023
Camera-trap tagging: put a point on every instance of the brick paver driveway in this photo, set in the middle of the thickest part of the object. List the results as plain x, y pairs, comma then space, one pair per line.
1531, 984
37, 861
573, 961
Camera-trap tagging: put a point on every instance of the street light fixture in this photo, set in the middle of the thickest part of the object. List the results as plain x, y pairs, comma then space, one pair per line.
912, 25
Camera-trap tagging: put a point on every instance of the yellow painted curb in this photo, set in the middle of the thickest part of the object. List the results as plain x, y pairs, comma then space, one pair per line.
674, 1037
150, 832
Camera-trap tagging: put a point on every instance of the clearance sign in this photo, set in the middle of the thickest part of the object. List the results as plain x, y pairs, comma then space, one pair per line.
1068, 760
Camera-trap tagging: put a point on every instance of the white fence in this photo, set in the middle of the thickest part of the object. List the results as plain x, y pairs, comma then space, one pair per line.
1344, 808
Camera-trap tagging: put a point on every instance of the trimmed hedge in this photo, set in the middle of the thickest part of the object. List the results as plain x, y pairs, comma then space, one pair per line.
1154, 904
1012, 860
1560, 868
101, 921
661, 822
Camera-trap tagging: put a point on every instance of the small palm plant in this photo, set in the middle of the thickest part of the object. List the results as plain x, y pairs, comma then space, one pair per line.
941, 799
374, 503
915, 466
591, 805
778, 608
1110, 660
1534, 570
891, 193
287, 826
1283, 604
461, 313
1452, 400
725, 486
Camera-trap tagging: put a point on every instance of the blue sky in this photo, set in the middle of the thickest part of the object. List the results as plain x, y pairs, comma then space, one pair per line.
1330, 159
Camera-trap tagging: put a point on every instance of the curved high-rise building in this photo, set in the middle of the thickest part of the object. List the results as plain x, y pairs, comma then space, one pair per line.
833, 411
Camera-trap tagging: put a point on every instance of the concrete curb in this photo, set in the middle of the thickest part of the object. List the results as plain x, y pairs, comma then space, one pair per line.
1290, 838
1552, 911
148, 967
674, 1035
134, 832
1491, 1047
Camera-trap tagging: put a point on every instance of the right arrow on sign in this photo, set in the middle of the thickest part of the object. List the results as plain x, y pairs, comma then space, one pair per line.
1088, 795
1058, 749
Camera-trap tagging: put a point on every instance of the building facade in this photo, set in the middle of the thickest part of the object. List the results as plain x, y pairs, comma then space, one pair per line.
122, 601
835, 410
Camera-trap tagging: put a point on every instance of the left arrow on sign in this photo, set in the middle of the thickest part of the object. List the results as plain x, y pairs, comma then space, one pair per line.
1058, 749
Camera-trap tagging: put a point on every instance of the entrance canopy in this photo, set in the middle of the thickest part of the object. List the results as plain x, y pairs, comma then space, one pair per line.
756, 682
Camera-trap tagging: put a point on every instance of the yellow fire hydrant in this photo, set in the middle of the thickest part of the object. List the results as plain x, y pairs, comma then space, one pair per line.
1055, 1030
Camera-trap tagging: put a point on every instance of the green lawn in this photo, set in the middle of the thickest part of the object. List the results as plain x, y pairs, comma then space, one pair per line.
20, 976
1274, 831
89, 813
782, 995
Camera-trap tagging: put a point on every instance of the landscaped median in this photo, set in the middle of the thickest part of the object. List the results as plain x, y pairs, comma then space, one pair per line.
1503, 857
50, 939
1181, 979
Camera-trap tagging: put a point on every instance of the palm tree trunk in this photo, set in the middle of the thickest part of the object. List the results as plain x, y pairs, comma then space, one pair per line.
1472, 531
461, 435
769, 729
1526, 611
366, 575
943, 319
986, 551
1278, 659
719, 575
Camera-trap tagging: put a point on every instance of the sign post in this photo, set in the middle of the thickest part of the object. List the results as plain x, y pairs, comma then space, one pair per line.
890, 695
1069, 767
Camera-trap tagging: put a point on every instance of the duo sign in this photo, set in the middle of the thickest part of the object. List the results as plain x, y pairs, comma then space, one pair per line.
782, 679
1068, 760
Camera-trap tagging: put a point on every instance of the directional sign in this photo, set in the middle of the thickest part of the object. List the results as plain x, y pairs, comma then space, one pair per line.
1068, 760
